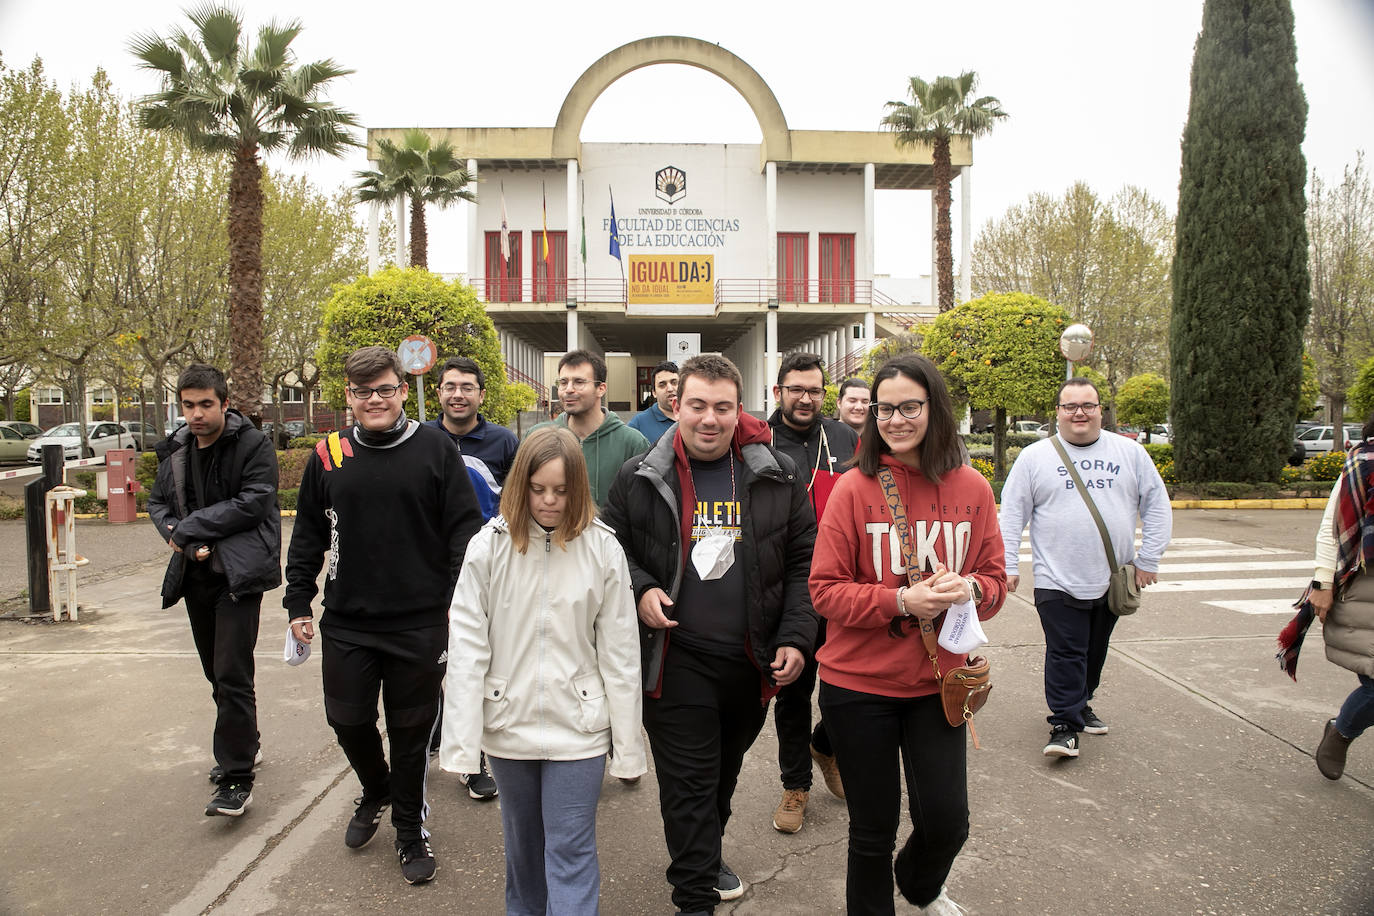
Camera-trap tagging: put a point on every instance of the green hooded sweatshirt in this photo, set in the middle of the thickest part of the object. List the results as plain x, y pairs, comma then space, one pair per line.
608, 447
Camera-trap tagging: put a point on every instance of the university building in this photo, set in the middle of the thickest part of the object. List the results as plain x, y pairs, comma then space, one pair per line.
749, 250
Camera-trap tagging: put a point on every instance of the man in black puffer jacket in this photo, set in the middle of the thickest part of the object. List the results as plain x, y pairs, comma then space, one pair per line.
718, 531
215, 503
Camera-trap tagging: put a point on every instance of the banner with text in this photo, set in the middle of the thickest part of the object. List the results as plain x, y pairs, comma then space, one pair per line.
663, 279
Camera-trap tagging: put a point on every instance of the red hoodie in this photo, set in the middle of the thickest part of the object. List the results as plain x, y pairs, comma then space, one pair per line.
954, 522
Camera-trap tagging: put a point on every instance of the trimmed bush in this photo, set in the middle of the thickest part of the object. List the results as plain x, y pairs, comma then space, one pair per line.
290, 467
1326, 466
303, 442
1159, 452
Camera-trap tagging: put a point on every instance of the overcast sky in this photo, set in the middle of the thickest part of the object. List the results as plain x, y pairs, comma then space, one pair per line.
1097, 91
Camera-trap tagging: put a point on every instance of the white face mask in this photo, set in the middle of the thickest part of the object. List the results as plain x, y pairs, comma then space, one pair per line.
962, 632
713, 556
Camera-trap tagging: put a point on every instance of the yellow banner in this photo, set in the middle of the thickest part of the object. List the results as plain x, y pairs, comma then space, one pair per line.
665, 279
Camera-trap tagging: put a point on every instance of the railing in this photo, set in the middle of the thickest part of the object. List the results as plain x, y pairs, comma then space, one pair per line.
847, 365
541, 391
731, 291
846, 292
556, 289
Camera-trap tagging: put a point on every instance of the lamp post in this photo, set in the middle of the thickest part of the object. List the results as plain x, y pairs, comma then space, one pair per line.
1076, 344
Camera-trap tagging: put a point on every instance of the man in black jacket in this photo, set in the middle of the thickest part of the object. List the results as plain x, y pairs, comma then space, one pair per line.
822, 449
391, 503
215, 502
718, 533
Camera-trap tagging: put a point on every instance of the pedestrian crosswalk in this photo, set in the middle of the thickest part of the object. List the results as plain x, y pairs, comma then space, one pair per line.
1258, 580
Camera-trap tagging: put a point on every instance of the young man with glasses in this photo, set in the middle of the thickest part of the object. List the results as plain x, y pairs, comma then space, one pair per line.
607, 442
1067, 555
821, 448
389, 502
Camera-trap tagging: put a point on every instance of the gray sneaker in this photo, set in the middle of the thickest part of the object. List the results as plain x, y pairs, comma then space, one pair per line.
728, 884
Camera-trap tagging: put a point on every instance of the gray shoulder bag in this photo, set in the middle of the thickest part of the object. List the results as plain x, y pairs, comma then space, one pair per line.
1123, 595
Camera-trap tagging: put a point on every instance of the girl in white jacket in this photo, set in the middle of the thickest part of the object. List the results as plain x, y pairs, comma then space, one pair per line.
543, 673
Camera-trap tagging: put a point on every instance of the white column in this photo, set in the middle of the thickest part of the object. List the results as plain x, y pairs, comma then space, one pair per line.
870, 332
867, 263
770, 368
934, 267
402, 260
572, 330
374, 230
965, 233
770, 226
759, 393
477, 261
574, 230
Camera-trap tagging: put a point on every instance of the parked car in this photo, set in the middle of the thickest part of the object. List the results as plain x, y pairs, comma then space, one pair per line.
1161, 432
100, 438
24, 427
1029, 427
1318, 439
14, 446
1043, 430
1130, 432
145, 434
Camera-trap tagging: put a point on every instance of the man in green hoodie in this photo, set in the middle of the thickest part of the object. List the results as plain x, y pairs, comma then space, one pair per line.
607, 443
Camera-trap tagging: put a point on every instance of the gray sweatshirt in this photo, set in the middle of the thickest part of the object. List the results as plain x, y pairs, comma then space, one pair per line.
1066, 549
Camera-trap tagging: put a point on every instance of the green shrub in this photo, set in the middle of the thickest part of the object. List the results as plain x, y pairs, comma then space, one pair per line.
1223, 489
11, 508
303, 442
1289, 475
290, 467
1326, 466
983, 466
1159, 452
287, 498
973, 439
997, 489
1166, 472
1021, 440
145, 470
980, 452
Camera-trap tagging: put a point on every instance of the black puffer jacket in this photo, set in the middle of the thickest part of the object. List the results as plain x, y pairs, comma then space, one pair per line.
645, 507
242, 522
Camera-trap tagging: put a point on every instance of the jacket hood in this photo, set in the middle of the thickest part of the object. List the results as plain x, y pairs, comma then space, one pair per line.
610, 422
234, 423
751, 429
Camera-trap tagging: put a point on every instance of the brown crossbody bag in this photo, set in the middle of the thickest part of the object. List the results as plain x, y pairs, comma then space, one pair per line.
965, 689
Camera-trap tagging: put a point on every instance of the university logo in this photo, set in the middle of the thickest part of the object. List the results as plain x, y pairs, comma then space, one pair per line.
670, 184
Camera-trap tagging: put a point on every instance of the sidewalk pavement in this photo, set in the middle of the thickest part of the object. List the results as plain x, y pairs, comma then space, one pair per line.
1202, 799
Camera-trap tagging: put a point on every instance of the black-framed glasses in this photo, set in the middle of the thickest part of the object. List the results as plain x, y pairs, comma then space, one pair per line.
386, 391
909, 409
1072, 409
817, 394
467, 388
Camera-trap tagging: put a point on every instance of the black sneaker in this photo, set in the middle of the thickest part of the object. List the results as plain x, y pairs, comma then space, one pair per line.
231, 799
728, 884
362, 826
417, 860
480, 784
1063, 742
1091, 723
217, 771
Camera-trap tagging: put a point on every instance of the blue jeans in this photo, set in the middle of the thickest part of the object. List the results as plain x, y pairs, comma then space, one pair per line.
548, 816
1357, 712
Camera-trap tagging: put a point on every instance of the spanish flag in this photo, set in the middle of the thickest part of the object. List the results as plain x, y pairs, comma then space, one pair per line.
544, 239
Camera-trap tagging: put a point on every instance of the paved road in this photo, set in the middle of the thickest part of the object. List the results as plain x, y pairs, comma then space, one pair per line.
1202, 799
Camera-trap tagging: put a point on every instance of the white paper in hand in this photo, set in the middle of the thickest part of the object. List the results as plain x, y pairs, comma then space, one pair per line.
962, 633
294, 652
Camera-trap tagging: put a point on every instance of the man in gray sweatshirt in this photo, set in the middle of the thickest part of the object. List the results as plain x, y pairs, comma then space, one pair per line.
1067, 555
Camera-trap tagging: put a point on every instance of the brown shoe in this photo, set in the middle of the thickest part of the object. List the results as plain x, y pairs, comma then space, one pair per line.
830, 770
791, 811
1331, 752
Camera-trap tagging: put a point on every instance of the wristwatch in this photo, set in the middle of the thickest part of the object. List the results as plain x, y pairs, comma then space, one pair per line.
1317, 586
974, 590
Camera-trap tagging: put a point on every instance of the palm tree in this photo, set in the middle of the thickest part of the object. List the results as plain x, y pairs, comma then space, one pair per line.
421, 171
937, 111
227, 99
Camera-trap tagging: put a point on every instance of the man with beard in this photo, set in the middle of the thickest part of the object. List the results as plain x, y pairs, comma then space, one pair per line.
659, 417
821, 448
389, 502
606, 441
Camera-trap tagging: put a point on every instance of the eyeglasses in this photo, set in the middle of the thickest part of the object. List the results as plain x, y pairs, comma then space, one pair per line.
467, 388
909, 409
575, 382
798, 391
1075, 408
385, 391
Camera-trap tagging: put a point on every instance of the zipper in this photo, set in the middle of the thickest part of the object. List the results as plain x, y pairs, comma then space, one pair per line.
543, 640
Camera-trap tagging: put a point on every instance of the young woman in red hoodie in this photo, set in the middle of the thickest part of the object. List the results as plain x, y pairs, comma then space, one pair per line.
878, 691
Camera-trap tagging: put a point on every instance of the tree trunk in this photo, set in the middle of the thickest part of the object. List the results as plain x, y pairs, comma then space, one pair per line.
944, 253
419, 236
159, 368
245, 284
1336, 406
999, 444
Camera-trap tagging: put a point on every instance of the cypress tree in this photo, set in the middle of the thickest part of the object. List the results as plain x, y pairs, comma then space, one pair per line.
1241, 294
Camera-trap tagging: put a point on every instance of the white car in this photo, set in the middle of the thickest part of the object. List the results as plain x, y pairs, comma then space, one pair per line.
1317, 439
100, 438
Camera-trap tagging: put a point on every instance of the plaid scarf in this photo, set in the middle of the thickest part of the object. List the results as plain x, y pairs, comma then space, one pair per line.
1353, 529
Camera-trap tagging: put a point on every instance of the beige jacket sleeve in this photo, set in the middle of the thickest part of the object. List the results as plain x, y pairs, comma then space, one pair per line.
1325, 572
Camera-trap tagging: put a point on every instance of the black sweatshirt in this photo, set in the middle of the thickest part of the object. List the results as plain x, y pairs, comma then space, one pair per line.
395, 522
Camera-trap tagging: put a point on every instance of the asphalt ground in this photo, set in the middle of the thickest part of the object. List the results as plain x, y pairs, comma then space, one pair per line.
1203, 798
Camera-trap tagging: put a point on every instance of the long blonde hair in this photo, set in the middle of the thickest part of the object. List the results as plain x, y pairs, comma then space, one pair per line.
546, 444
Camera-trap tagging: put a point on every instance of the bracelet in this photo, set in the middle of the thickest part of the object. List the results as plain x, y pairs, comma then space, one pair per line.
901, 602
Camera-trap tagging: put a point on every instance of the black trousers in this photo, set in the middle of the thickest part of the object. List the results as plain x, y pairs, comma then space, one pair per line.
225, 632
872, 735
707, 715
1077, 633
792, 719
404, 669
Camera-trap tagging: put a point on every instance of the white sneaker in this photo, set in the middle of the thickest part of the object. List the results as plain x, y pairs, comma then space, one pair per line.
943, 906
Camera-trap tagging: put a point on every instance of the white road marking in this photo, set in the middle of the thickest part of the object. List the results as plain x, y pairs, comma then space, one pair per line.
1258, 605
